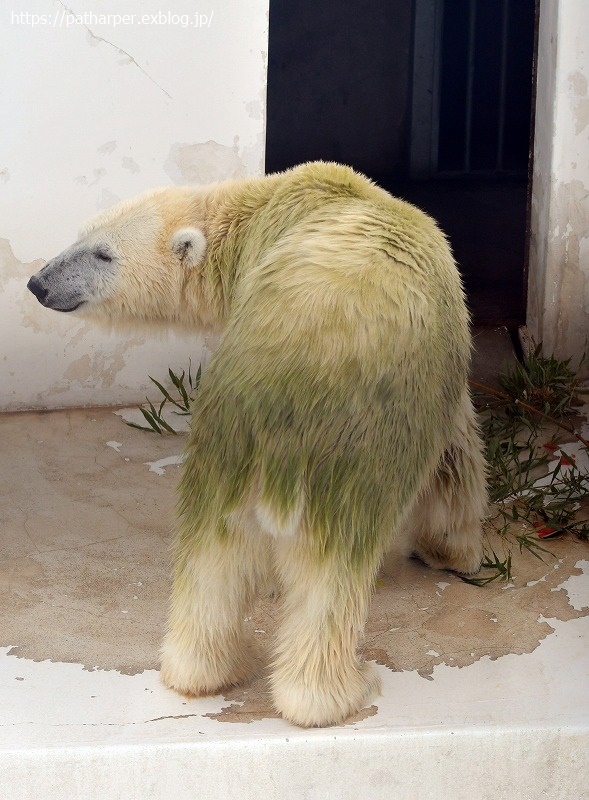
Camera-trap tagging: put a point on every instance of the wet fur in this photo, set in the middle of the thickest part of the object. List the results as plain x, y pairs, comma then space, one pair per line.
333, 418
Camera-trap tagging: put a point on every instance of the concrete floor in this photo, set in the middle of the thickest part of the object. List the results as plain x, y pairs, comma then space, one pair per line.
484, 689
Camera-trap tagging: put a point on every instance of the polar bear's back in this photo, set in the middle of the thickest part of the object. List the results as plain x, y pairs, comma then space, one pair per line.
355, 271
342, 364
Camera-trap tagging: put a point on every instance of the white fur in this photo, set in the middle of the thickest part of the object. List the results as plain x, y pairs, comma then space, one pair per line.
190, 245
444, 526
343, 284
206, 647
317, 676
279, 526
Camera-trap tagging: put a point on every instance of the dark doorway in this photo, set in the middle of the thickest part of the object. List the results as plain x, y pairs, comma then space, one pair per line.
431, 99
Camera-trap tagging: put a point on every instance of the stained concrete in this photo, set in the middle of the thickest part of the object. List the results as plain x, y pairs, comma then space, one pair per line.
85, 574
86, 520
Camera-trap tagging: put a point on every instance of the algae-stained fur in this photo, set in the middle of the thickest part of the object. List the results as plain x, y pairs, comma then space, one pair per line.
334, 418
339, 385
341, 368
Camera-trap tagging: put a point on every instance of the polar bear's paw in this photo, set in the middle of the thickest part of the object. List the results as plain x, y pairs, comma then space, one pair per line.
199, 672
324, 700
462, 554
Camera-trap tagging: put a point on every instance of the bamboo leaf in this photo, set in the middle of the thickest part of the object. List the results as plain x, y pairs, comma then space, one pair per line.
178, 381
151, 419
167, 396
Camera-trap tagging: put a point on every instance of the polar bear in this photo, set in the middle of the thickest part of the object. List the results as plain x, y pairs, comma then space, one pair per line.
334, 417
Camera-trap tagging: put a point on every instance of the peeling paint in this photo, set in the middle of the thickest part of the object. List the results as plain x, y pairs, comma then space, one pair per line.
464, 625
252, 705
107, 199
578, 83
159, 466
572, 204
256, 149
204, 163
11, 268
79, 370
98, 173
108, 147
576, 596
98, 368
558, 297
78, 675
580, 103
85, 537
255, 109
130, 164
99, 158
564, 314
249, 704
581, 115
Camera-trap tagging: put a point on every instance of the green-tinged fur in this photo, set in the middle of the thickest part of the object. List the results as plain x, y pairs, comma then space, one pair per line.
341, 367
334, 414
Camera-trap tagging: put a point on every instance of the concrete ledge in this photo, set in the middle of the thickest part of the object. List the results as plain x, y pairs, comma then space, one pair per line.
484, 689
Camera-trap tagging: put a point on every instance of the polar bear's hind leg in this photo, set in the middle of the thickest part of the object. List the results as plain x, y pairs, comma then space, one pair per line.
444, 526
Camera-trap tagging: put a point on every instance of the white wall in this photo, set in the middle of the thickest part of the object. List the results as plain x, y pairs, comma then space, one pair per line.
95, 110
558, 302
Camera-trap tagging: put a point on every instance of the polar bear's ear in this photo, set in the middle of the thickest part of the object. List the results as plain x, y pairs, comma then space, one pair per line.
189, 245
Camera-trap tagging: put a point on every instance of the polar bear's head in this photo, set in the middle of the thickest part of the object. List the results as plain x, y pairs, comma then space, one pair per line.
133, 261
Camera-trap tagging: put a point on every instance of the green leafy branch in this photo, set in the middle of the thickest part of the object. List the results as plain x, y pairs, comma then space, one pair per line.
186, 385
533, 482
537, 491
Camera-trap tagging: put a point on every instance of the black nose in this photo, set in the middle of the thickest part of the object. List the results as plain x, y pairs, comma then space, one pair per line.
37, 289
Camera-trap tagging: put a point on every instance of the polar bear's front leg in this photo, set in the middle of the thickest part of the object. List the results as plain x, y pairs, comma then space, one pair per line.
317, 677
206, 648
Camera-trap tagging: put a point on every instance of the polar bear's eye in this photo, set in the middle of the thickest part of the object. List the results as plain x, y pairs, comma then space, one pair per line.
102, 255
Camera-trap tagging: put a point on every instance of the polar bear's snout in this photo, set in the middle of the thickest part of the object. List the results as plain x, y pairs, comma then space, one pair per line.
36, 287
78, 276
57, 288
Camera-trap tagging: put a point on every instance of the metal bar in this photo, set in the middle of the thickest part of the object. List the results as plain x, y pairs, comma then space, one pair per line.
472, 12
425, 104
436, 80
424, 89
502, 85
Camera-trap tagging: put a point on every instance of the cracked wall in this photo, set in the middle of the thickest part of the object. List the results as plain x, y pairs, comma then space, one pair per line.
97, 110
558, 300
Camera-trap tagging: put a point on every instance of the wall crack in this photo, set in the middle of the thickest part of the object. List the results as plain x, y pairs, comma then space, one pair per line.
119, 50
